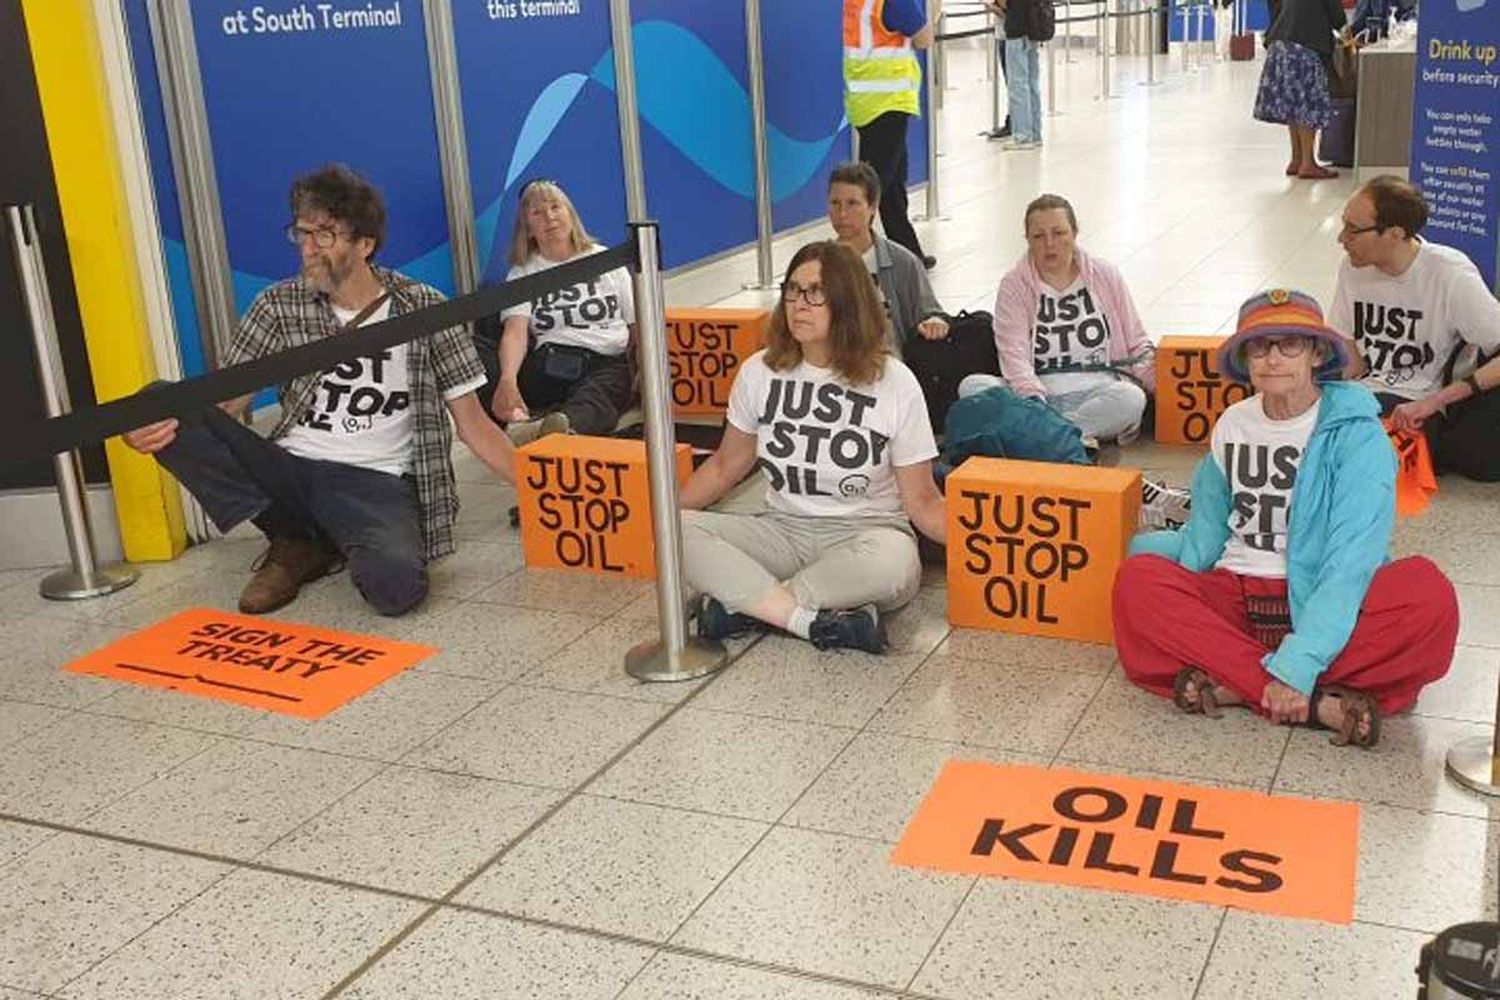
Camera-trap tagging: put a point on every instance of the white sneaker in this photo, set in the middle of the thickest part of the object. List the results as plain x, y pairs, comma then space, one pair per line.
1163, 506
1018, 145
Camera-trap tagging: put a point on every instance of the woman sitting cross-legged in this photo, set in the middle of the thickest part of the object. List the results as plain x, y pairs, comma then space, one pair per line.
1277, 593
840, 428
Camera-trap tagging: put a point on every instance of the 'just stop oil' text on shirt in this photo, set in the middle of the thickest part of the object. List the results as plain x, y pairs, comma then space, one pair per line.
828, 448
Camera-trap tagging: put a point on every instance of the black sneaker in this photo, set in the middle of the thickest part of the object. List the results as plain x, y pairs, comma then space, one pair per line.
717, 622
857, 629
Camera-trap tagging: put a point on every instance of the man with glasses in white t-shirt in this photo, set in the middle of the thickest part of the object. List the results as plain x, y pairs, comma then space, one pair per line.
358, 468
1424, 328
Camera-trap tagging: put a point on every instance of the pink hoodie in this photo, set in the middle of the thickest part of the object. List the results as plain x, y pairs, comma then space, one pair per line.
1015, 317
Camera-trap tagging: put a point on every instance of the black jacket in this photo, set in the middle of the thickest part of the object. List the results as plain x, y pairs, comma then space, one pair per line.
1309, 23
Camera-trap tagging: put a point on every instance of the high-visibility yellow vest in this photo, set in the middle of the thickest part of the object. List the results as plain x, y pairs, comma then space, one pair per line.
881, 72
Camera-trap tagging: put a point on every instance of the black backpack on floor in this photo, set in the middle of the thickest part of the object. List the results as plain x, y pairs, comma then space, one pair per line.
941, 364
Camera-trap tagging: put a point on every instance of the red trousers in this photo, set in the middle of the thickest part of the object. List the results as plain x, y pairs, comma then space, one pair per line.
1168, 617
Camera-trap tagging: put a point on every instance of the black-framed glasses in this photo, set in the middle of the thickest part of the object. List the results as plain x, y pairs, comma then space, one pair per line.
1351, 230
322, 237
1287, 347
813, 295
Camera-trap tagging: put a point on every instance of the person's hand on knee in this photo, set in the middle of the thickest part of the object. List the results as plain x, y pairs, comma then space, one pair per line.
152, 438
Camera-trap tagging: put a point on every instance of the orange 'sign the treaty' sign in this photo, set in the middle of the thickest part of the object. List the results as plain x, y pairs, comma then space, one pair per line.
707, 348
280, 666
1190, 391
586, 504
1293, 857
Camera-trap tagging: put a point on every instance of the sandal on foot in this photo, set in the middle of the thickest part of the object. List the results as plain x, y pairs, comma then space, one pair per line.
1317, 173
1292, 169
1204, 698
1359, 709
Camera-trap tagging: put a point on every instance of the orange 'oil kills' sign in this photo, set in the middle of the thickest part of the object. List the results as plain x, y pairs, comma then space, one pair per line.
283, 667
1033, 546
585, 504
1190, 391
707, 347
1287, 856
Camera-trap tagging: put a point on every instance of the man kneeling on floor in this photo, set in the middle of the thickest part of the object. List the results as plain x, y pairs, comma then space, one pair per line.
1277, 593
358, 467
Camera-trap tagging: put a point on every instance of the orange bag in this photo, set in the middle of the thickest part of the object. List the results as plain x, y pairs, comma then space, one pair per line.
1415, 481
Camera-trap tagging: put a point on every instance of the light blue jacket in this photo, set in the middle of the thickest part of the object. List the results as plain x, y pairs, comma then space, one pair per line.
1343, 508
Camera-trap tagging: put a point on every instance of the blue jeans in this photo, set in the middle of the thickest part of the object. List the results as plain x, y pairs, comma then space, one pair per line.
371, 517
1024, 80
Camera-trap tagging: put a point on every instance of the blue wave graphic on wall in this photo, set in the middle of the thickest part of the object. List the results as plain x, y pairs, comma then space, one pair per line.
686, 93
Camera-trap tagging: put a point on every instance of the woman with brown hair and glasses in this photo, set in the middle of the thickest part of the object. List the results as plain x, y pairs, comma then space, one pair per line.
840, 428
561, 363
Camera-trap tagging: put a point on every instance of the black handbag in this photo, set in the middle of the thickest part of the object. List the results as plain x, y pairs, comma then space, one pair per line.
941, 364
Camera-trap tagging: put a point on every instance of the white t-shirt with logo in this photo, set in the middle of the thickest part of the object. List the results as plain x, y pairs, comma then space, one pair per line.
1259, 457
1409, 326
1070, 329
361, 410
830, 449
594, 314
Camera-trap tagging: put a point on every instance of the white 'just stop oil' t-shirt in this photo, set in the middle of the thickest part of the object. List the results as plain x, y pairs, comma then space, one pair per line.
828, 448
1408, 327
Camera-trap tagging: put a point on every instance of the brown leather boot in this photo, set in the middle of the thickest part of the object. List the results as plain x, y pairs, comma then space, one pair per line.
282, 570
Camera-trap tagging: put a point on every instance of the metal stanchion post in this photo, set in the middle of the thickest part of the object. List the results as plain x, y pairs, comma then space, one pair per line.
1151, 29
934, 209
1474, 762
992, 67
1104, 51
1202, 35
1068, 32
622, 40
673, 657
84, 577
1051, 81
764, 225
1185, 16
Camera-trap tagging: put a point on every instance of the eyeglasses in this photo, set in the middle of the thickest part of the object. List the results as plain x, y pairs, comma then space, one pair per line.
1349, 229
323, 237
813, 295
1287, 347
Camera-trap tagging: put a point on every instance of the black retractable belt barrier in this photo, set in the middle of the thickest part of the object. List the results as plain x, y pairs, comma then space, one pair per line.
43, 438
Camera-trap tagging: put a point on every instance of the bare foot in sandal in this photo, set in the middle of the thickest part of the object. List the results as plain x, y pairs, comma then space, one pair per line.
1195, 692
1354, 716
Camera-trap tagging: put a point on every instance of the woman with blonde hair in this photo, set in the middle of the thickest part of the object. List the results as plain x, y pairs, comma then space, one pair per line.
560, 363
840, 428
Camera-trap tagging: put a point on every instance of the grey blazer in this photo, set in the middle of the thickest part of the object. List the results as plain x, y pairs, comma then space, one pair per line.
903, 282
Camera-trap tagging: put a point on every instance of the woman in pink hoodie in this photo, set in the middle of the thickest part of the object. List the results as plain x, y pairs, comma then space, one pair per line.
1067, 331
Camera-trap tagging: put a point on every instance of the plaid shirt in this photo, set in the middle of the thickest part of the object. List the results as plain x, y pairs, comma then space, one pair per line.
290, 313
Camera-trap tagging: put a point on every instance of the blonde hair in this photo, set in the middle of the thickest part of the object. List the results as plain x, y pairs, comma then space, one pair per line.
522, 245
857, 321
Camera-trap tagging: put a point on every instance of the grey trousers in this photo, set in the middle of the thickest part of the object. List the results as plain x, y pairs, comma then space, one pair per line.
836, 563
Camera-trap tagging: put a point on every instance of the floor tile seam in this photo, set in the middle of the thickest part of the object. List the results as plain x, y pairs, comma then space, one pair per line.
1064, 760
1417, 713
938, 940
385, 768
734, 713
1209, 955
417, 922
750, 851
935, 655
1073, 729
676, 807
218, 741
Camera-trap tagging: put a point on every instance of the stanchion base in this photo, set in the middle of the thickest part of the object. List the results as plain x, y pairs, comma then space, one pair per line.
1471, 764
650, 661
756, 286
69, 585
940, 217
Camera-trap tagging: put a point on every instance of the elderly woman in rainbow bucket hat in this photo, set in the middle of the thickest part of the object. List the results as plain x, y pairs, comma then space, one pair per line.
1277, 594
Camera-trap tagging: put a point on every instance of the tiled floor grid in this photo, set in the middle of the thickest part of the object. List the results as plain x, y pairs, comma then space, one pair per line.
515, 818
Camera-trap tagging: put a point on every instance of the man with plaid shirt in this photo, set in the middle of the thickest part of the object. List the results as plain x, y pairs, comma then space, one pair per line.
358, 468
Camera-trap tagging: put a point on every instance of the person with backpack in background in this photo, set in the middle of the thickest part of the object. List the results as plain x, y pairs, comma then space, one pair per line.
1028, 23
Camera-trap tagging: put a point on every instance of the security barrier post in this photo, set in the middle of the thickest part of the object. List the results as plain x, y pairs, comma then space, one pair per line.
1068, 32
622, 38
1151, 30
1474, 761
934, 105
764, 223
992, 69
1104, 50
1051, 81
84, 577
673, 657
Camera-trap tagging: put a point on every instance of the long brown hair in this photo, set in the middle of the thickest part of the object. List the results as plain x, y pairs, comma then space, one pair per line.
857, 323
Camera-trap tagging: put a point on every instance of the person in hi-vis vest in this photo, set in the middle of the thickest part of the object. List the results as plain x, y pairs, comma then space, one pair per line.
882, 86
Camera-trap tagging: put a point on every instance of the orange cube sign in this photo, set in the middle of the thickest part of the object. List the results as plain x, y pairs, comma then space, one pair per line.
1191, 392
1033, 546
706, 348
586, 504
